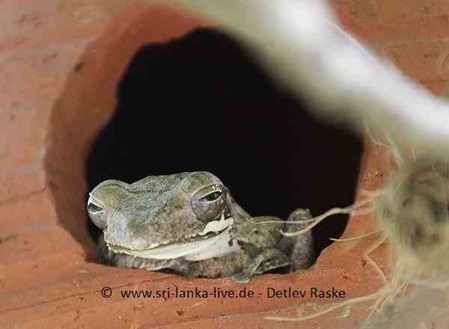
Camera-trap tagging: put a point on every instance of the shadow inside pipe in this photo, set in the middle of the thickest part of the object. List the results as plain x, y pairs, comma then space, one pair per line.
200, 103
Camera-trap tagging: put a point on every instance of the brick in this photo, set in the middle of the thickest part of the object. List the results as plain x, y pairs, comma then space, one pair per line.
31, 75
22, 143
390, 11
376, 163
438, 88
18, 153
29, 85
424, 61
65, 288
27, 245
426, 8
258, 320
21, 182
88, 308
15, 278
361, 11
52, 22
27, 214
397, 29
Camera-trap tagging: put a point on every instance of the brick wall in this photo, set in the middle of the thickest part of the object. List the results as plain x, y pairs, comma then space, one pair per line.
59, 64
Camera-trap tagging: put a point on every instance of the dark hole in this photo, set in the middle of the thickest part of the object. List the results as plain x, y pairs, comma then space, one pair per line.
200, 103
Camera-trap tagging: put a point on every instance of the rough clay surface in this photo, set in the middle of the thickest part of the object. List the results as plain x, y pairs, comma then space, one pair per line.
59, 64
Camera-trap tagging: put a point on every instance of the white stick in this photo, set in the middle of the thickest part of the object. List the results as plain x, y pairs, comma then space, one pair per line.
300, 43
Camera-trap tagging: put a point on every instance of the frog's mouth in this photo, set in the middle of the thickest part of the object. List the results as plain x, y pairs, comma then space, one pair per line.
214, 241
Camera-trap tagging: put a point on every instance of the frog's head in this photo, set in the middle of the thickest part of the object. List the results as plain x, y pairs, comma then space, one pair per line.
162, 217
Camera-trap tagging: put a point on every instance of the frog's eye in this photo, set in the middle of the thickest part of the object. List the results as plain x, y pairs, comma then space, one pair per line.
213, 196
93, 208
96, 213
209, 202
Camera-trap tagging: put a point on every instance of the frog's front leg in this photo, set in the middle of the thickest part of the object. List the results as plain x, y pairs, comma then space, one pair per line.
299, 247
217, 267
241, 265
268, 259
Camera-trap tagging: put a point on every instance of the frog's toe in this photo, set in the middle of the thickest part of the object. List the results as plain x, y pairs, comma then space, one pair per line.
267, 260
300, 247
241, 277
280, 260
300, 214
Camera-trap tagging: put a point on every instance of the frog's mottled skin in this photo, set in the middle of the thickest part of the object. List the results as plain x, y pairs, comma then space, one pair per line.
174, 210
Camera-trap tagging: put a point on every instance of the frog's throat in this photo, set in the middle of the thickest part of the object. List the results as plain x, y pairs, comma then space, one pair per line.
213, 241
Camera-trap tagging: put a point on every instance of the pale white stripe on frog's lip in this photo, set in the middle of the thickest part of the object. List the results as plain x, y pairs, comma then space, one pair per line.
218, 248
218, 225
215, 246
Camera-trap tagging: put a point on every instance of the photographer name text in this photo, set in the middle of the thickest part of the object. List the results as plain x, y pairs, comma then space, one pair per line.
217, 292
